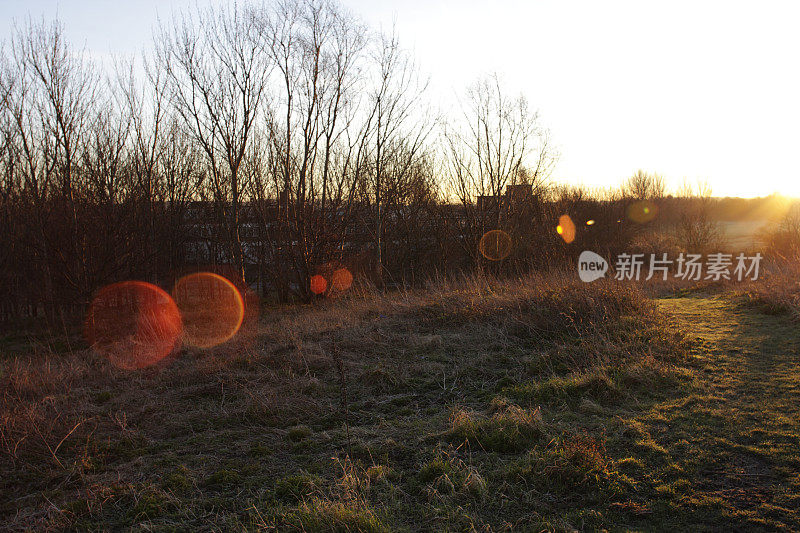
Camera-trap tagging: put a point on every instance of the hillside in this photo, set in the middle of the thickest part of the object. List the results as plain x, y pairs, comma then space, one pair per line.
529, 405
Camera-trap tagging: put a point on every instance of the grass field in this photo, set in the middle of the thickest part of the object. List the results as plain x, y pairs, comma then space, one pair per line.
744, 235
482, 406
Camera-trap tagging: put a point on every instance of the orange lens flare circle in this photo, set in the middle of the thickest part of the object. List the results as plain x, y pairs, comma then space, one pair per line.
642, 212
495, 245
566, 228
341, 280
133, 323
212, 308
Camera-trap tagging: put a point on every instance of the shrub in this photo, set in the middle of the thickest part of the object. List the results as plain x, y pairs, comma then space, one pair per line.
777, 292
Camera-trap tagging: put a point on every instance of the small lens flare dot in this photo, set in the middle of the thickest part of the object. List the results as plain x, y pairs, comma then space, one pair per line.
212, 308
590, 222
559, 229
318, 284
495, 245
133, 323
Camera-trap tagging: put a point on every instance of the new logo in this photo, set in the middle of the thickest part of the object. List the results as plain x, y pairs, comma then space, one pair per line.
591, 266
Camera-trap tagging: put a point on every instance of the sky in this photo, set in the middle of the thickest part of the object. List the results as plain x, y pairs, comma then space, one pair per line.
696, 91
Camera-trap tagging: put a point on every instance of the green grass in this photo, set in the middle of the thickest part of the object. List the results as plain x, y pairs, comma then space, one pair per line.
335, 517
508, 429
536, 406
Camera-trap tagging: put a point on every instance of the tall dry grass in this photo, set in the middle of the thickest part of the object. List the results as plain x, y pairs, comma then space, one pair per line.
66, 415
777, 291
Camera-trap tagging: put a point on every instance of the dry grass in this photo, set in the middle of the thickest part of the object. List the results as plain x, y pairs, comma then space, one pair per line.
509, 428
252, 434
778, 290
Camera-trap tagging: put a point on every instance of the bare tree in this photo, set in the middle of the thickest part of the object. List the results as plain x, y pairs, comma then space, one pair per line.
644, 186
396, 134
217, 73
313, 137
497, 143
147, 104
696, 230
283, 133
48, 89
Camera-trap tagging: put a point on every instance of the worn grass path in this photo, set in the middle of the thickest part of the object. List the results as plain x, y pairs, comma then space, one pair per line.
729, 451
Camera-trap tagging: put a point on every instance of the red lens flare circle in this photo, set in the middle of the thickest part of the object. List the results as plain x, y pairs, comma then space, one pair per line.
212, 308
133, 323
318, 284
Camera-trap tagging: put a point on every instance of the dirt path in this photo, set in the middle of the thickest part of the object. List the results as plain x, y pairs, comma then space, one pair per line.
731, 447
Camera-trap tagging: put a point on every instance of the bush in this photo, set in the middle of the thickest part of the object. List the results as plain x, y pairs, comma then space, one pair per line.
777, 292
783, 239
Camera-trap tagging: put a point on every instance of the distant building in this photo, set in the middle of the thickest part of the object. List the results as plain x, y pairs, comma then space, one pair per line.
515, 194
519, 193
488, 203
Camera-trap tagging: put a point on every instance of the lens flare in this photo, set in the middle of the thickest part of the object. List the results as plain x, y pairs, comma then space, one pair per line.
642, 211
566, 228
133, 323
212, 308
341, 280
495, 245
318, 284
590, 222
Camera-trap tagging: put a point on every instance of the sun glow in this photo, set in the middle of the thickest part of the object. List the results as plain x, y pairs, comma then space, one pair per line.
318, 284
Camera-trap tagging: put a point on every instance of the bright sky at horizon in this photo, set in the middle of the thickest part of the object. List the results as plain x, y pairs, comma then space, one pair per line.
692, 90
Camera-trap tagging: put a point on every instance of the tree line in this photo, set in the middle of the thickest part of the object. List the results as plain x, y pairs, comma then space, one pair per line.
286, 137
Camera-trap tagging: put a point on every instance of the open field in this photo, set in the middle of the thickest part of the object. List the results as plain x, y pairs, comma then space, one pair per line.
744, 235
485, 406
739, 236
269, 265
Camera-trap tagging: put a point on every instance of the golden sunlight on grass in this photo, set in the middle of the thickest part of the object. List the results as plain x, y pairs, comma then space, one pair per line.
476, 394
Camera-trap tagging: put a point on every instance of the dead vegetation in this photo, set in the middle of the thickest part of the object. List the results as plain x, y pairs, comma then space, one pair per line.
455, 410
778, 292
